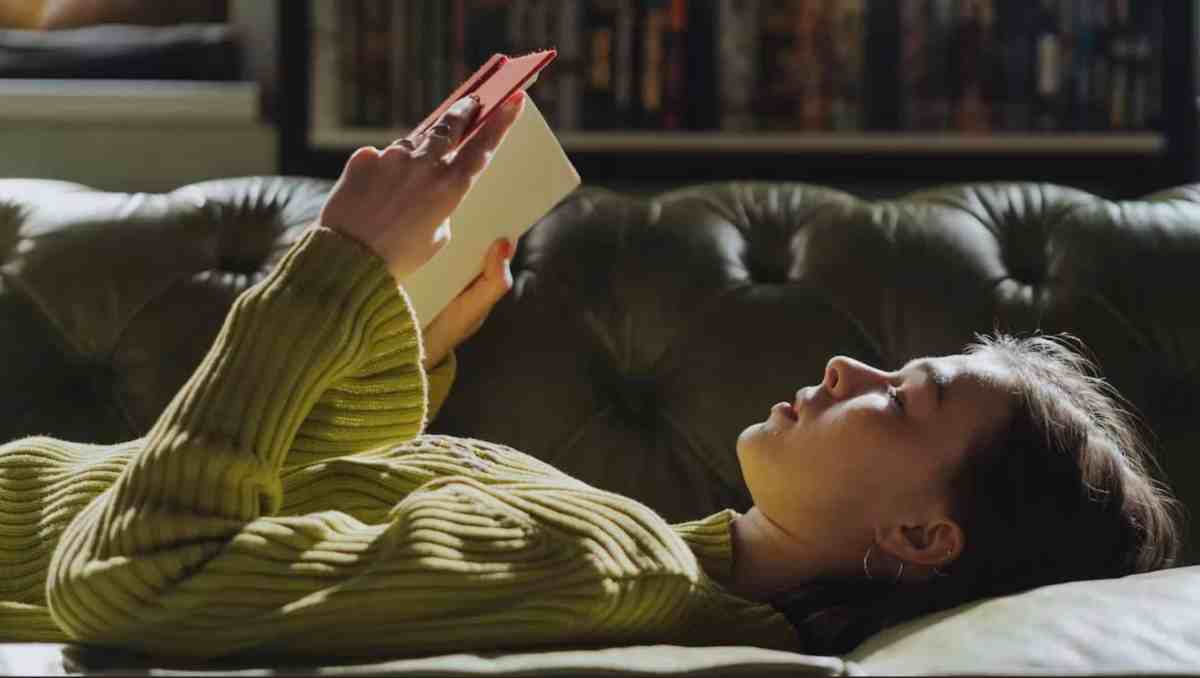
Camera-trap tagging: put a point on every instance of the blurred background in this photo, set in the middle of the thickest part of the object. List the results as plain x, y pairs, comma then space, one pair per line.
873, 96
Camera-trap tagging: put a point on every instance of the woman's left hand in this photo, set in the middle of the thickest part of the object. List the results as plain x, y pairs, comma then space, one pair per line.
464, 315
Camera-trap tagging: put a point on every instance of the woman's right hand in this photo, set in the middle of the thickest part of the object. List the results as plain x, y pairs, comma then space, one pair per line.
397, 201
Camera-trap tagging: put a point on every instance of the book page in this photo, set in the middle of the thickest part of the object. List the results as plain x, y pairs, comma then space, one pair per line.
528, 175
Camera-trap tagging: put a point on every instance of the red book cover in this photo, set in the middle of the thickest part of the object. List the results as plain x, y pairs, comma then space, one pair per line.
498, 79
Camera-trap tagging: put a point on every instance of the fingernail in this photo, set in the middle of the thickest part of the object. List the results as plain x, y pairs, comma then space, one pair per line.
465, 104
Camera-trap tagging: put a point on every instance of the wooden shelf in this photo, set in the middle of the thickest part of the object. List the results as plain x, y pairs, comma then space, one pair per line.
1001, 143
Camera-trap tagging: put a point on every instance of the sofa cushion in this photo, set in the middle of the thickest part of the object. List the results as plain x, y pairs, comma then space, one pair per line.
1147, 623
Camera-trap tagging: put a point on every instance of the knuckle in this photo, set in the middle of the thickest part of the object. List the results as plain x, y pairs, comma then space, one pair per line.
455, 117
393, 153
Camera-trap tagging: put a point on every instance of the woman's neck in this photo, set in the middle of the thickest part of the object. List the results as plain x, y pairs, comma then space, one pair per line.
768, 560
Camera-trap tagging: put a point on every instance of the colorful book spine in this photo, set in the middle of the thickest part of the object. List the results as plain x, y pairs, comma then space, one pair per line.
570, 64
655, 21
675, 100
740, 65
623, 71
811, 52
775, 99
970, 56
701, 105
846, 65
737, 72
1048, 55
600, 44
913, 55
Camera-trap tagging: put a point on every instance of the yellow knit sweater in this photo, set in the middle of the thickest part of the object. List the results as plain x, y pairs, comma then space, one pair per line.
287, 501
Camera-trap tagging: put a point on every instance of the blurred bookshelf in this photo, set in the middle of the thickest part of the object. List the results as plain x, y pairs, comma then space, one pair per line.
648, 94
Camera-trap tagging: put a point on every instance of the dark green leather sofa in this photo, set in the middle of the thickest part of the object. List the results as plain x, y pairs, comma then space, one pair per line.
642, 335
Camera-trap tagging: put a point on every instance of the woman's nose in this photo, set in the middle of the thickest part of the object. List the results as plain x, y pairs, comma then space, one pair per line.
846, 376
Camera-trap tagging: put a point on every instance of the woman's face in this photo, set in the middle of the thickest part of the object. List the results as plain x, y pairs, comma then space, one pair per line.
866, 448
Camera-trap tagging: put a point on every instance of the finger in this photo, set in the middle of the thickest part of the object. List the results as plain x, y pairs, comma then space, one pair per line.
505, 256
443, 136
474, 155
406, 143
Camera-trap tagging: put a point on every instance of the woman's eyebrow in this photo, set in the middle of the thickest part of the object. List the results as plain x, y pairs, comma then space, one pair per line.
938, 379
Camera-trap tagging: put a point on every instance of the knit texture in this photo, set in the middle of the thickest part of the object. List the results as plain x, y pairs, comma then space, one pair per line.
287, 502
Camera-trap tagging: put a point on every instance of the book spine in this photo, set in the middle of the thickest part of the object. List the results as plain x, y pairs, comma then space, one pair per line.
736, 66
941, 24
970, 52
600, 28
987, 79
654, 20
570, 66
1100, 71
847, 56
775, 99
1143, 90
623, 64
1049, 58
884, 67
1155, 32
811, 52
912, 62
1083, 46
675, 98
1120, 52
701, 108
398, 64
1014, 33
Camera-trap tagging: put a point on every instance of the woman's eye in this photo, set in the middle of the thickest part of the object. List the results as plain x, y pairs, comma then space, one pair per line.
895, 395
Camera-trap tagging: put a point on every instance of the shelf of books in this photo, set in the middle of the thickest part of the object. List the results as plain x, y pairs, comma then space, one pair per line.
858, 78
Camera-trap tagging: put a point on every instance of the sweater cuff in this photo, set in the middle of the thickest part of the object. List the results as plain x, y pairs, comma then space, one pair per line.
441, 378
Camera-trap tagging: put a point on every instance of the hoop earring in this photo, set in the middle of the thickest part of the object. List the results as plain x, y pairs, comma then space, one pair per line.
867, 569
937, 571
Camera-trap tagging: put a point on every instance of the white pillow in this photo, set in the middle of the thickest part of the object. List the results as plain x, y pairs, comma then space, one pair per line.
1146, 623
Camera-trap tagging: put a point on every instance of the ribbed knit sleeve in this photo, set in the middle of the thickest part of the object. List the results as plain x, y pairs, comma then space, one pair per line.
215, 541
284, 374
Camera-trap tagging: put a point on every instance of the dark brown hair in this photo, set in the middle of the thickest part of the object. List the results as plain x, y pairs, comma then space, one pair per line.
1066, 490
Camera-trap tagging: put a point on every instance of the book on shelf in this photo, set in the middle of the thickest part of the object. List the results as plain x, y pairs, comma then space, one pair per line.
975, 66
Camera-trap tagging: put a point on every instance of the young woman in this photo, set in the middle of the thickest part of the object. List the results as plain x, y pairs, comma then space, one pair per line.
288, 502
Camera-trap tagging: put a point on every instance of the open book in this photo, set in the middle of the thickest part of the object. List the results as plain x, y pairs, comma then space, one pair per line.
527, 176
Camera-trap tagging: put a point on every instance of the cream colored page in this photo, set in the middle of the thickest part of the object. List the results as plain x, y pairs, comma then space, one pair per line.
528, 175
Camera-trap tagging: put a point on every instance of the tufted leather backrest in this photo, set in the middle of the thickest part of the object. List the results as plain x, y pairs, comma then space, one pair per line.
642, 334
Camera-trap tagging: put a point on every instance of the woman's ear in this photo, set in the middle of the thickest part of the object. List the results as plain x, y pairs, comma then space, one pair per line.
933, 544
